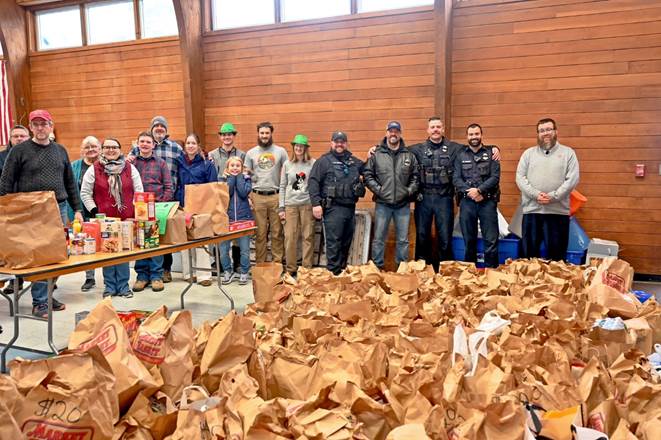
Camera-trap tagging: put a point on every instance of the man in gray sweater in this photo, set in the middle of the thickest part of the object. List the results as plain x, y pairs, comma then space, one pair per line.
546, 175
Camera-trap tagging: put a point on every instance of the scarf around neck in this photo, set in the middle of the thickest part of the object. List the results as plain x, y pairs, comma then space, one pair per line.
113, 169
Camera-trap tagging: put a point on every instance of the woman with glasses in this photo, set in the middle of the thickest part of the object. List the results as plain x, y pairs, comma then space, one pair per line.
108, 188
90, 149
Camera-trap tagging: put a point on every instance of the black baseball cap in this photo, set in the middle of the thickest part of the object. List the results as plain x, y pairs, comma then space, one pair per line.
394, 125
339, 136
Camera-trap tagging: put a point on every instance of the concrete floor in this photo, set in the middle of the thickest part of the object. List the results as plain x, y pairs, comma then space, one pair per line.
205, 303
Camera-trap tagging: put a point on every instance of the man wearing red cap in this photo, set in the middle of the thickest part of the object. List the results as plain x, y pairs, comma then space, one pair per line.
40, 164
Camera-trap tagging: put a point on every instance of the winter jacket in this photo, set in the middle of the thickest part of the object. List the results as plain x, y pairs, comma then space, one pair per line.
392, 175
197, 171
240, 188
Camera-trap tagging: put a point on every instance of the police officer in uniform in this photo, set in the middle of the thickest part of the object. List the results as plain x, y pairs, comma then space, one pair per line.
335, 186
434, 203
476, 178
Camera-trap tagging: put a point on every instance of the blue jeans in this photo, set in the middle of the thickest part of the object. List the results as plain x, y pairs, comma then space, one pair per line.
150, 269
116, 278
382, 216
39, 289
226, 261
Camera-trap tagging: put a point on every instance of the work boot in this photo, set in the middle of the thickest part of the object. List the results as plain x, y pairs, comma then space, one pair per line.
139, 285
157, 285
88, 285
167, 276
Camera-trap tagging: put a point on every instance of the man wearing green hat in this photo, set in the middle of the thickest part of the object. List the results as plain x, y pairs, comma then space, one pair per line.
227, 149
295, 207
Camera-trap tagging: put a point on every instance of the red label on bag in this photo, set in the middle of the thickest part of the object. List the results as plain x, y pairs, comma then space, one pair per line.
106, 341
42, 430
596, 421
613, 280
150, 348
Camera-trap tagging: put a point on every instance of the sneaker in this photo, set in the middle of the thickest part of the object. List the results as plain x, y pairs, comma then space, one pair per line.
167, 276
127, 294
9, 289
40, 311
243, 279
139, 285
88, 285
157, 285
228, 277
205, 283
58, 306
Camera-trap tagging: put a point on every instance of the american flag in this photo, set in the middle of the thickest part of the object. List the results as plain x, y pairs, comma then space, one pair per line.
5, 110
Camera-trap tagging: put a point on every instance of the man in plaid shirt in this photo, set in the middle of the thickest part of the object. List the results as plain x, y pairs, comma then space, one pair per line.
156, 179
169, 151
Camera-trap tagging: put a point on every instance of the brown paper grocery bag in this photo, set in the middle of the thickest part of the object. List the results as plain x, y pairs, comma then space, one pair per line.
150, 418
265, 276
70, 396
231, 342
103, 328
201, 227
206, 418
175, 231
32, 230
209, 198
168, 344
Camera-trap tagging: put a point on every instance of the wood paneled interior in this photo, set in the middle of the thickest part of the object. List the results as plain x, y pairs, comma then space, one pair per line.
352, 74
110, 91
593, 66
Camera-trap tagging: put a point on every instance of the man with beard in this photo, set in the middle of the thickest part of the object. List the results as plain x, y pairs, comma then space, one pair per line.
264, 162
546, 175
435, 202
335, 187
391, 173
39, 164
17, 134
476, 177
170, 152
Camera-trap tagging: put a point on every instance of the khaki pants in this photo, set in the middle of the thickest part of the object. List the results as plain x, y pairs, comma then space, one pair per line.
266, 217
299, 222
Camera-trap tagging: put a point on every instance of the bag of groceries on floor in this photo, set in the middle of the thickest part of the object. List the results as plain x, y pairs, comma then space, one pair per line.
69, 396
32, 230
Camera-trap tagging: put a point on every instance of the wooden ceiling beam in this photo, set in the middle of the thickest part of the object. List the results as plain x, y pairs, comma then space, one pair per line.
14, 39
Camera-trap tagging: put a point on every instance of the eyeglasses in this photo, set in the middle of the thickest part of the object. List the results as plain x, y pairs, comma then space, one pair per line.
91, 147
111, 147
545, 130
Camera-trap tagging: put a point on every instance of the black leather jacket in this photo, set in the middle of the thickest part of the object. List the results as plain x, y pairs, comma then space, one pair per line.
392, 175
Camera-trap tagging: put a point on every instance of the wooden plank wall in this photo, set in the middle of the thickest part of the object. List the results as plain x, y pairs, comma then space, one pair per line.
353, 74
595, 67
109, 91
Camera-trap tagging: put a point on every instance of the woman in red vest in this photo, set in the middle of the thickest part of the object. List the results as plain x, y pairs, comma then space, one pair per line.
108, 188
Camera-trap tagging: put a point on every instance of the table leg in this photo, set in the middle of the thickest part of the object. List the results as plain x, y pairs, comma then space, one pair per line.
51, 283
218, 278
16, 316
190, 278
8, 298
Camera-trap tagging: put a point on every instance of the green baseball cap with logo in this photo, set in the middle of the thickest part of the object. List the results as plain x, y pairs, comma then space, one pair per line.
300, 139
227, 127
